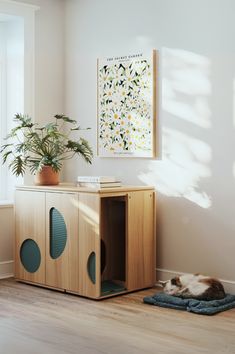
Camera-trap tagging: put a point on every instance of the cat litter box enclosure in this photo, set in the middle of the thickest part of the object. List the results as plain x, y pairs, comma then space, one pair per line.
90, 242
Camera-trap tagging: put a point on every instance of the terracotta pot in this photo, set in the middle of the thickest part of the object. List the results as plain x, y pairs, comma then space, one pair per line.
47, 176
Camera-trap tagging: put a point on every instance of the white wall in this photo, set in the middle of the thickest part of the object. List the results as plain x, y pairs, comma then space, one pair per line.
195, 176
49, 58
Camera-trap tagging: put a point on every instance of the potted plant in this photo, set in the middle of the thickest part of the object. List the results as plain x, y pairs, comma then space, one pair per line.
43, 149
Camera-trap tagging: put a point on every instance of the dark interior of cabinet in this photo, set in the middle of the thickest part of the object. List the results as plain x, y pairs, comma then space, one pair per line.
113, 245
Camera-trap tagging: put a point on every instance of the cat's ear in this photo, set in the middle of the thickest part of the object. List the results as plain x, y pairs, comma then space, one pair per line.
163, 283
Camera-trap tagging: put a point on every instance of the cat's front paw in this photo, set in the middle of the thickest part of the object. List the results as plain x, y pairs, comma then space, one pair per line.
172, 292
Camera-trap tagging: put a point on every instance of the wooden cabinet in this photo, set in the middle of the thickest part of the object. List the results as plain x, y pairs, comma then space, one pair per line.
89, 244
94, 243
30, 237
140, 255
61, 240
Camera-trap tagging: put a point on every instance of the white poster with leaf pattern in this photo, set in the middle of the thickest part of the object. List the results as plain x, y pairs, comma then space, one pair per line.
127, 106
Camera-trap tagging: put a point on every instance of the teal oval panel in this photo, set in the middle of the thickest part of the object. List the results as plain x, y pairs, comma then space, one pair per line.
30, 255
58, 233
91, 267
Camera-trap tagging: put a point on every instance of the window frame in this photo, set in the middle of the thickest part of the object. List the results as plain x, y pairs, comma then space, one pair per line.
27, 13
3, 108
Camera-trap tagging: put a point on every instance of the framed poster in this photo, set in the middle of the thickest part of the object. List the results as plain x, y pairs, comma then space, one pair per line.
126, 94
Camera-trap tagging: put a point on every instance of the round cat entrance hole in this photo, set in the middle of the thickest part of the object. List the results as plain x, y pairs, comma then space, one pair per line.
30, 255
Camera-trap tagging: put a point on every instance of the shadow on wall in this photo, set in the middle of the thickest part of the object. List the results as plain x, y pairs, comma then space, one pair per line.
195, 177
186, 91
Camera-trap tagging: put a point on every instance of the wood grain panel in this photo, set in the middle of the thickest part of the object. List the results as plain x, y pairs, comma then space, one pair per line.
35, 320
63, 271
72, 187
140, 243
30, 223
89, 241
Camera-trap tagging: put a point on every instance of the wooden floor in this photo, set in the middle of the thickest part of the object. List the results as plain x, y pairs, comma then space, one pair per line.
35, 321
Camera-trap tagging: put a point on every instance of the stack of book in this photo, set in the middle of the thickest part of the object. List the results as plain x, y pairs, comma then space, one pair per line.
98, 182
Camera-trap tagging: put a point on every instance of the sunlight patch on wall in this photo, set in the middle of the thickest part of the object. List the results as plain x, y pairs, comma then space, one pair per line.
186, 74
185, 114
183, 166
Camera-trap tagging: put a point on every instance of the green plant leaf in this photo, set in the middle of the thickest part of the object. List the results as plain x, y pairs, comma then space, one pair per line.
18, 166
34, 146
65, 118
82, 148
5, 156
4, 147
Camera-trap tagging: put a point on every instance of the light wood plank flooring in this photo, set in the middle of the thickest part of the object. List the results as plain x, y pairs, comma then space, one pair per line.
35, 321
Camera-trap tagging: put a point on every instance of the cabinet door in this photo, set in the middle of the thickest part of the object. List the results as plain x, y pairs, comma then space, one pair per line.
89, 244
141, 240
62, 241
30, 236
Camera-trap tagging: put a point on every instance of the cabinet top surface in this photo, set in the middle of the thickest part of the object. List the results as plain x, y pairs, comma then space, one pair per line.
71, 187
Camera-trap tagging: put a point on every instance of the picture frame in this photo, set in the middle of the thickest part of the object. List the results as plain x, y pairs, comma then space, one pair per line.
127, 105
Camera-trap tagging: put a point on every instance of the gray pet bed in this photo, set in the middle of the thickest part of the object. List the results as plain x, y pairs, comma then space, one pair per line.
191, 305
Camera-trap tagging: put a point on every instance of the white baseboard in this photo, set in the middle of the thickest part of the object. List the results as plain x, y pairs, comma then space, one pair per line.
165, 274
6, 269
